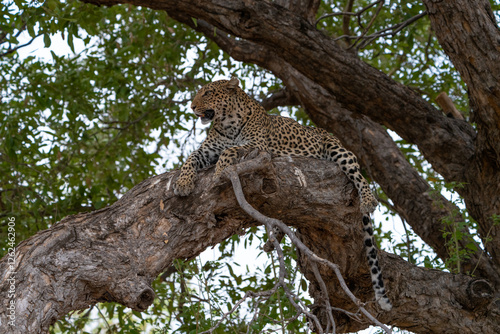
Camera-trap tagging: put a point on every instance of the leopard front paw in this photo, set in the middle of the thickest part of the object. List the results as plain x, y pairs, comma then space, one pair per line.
184, 185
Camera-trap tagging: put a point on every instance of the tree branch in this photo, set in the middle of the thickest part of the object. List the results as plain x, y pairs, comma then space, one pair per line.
346, 19
280, 98
348, 12
14, 49
447, 105
372, 20
391, 31
114, 254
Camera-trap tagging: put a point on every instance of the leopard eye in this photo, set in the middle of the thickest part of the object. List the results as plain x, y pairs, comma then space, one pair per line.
207, 93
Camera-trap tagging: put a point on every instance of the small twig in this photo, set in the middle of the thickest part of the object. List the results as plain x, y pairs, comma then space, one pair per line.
425, 64
281, 257
303, 308
358, 13
408, 241
347, 19
481, 255
275, 233
238, 303
103, 318
390, 31
256, 313
232, 173
280, 305
322, 285
365, 30
393, 30
127, 123
12, 50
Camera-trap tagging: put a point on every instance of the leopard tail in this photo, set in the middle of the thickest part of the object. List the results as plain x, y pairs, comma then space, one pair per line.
375, 270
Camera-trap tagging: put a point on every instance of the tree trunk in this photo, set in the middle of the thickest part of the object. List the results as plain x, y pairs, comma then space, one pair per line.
114, 254
471, 38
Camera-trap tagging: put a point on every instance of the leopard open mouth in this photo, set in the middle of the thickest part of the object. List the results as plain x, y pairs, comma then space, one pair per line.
207, 116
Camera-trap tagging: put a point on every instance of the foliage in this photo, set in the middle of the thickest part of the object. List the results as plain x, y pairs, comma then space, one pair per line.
413, 56
77, 131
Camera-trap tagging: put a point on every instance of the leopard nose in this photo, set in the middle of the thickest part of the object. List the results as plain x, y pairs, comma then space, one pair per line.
193, 107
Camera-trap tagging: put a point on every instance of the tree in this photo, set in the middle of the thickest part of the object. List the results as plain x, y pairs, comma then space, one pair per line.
325, 63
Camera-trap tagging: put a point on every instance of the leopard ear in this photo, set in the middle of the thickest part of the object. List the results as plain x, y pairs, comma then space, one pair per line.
233, 83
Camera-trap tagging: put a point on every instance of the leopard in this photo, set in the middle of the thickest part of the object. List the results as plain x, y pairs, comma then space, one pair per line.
240, 123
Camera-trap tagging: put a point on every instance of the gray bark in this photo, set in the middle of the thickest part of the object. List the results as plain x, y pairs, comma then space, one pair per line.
114, 254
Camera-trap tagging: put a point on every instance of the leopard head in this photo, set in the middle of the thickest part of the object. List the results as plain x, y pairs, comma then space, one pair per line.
213, 99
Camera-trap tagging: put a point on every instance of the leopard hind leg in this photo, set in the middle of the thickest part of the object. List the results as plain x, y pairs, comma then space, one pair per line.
348, 163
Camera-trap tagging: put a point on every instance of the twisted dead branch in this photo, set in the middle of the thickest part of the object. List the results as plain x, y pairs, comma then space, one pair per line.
272, 224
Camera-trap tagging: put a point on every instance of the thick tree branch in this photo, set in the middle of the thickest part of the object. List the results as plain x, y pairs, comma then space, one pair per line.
114, 254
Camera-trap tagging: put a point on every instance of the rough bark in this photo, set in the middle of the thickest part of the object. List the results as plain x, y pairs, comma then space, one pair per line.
114, 254
469, 34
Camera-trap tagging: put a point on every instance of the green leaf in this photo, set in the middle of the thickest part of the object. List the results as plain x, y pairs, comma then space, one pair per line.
303, 284
46, 40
